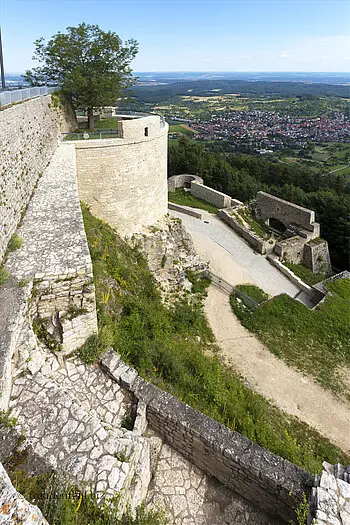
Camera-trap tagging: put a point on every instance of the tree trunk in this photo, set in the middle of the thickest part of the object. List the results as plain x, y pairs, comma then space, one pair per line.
91, 123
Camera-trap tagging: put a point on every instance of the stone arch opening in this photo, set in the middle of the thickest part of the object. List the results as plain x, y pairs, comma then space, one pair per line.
276, 224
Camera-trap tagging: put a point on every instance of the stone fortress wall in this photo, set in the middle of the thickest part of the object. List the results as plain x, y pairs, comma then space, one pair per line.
55, 269
29, 134
124, 179
270, 207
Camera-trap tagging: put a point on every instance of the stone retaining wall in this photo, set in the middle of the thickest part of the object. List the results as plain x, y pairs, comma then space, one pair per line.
184, 209
263, 478
314, 295
182, 181
216, 198
253, 240
54, 265
29, 134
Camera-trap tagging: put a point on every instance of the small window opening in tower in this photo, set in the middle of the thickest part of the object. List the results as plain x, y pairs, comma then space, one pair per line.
146, 132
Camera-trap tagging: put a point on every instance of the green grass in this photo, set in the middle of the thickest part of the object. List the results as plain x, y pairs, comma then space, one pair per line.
305, 273
64, 504
257, 228
4, 275
173, 348
314, 341
176, 128
185, 198
15, 243
254, 292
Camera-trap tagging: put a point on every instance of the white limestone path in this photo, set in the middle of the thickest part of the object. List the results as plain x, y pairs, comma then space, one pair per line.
287, 388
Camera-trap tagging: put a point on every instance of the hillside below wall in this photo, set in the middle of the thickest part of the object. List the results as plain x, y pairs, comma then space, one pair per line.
29, 134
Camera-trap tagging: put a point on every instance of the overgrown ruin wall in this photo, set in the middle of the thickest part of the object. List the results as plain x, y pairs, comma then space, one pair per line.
270, 207
29, 134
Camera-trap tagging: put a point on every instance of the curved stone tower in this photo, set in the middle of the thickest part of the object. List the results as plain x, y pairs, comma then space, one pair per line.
124, 179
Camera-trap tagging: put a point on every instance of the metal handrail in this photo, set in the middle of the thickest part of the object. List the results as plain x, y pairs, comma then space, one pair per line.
88, 135
229, 288
19, 95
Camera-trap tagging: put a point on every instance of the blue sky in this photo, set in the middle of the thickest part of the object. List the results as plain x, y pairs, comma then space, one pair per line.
194, 35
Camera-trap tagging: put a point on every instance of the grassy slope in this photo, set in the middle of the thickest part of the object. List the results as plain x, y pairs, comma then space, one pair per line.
187, 199
162, 345
314, 341
308, 276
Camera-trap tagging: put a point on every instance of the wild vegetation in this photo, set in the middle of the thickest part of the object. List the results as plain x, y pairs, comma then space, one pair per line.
173, 348
305, 273
242, 176
314, 341
64, 504
185, 198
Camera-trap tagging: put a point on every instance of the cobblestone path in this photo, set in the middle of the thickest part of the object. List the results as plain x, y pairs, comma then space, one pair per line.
193, 498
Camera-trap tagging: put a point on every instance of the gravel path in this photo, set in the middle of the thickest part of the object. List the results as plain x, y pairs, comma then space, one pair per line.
231, 257
233, 260
289, 389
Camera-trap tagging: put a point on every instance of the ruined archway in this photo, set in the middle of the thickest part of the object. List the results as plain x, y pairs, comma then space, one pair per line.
276, 224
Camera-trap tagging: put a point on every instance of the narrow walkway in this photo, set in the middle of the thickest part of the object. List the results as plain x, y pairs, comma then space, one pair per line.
289, 389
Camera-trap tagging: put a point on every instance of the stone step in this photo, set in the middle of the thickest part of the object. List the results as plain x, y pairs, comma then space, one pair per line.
71, 415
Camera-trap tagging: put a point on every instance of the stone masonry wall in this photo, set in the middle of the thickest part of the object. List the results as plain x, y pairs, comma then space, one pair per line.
268, 207
253, 240
330, 504
182, 181
216, 198
316, 257
291, 250
55, 255
263, 478
29, 134
124, 180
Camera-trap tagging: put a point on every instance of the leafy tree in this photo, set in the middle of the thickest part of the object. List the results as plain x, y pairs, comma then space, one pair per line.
92, 66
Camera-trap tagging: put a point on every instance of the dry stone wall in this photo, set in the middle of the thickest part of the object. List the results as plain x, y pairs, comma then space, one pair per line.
265, 479
29, 134
124, 179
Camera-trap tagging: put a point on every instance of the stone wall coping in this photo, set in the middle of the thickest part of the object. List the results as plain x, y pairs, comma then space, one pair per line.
232, 458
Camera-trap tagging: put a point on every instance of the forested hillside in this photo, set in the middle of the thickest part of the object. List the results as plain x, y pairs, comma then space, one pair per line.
242, 176
163, 92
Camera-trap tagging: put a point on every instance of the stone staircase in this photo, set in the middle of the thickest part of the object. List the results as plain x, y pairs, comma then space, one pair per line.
72, 415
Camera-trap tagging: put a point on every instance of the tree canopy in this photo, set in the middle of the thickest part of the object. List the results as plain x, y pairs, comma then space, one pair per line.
91, 65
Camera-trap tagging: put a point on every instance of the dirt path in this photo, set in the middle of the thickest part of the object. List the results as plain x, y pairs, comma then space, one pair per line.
290, 390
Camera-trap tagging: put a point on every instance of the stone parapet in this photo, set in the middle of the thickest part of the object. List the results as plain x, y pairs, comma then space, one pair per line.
265, 479
55, 255
29, 135
214, 197
182, 181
